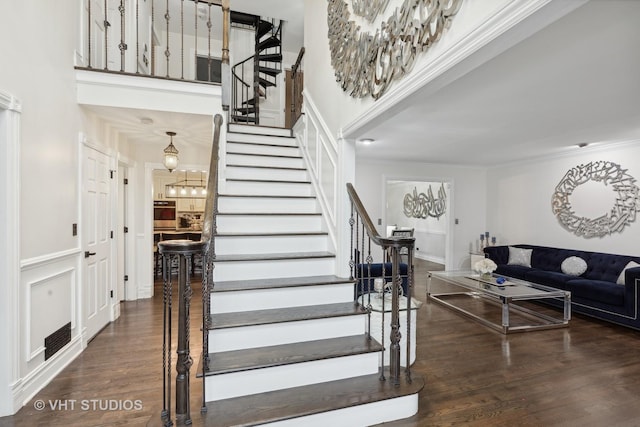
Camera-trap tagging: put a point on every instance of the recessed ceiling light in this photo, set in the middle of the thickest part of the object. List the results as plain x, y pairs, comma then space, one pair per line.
146, 120
367, 141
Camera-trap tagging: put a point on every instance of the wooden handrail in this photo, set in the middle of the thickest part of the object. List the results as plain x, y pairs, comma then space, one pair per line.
385, 242
295, 67
210, 208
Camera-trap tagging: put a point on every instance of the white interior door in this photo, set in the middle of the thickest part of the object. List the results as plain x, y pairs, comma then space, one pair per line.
96, 227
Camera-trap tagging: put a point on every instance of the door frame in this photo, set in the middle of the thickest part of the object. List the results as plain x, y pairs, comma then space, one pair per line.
448, 261
114, 304
10, 116
146, 250
128, 166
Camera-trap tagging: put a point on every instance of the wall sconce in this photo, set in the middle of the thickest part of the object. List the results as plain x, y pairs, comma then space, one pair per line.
170, 154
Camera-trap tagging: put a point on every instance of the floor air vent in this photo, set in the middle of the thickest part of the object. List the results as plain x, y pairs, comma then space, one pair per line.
57, 340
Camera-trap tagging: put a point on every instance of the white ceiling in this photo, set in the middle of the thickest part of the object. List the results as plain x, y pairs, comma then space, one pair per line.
576, 81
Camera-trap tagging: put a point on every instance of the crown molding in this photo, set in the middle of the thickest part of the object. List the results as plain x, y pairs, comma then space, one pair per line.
520, 19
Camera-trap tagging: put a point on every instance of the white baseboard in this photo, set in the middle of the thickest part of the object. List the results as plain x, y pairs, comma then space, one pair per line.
424, 257
26, 388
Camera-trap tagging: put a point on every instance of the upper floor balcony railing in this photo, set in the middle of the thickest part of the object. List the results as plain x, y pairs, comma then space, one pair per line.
171, 39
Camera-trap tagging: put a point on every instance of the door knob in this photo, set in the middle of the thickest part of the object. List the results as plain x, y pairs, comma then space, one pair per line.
87, 254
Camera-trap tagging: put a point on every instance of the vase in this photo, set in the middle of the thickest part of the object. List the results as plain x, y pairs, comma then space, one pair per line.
486, 276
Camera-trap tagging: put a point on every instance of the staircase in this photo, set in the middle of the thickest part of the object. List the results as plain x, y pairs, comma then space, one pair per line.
253, 76
287, 344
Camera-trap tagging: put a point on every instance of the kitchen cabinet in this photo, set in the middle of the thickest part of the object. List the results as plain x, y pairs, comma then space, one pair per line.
159, 186
191, 205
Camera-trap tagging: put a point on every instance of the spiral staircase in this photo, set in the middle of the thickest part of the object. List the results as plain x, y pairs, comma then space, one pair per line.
252, 77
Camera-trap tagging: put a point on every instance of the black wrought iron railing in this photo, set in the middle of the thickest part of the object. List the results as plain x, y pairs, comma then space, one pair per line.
166, 39
366, 243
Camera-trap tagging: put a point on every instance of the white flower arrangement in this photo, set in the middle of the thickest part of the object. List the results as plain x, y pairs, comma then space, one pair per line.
485, 266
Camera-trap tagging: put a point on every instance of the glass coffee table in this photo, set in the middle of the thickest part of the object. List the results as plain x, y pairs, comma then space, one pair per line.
505, 295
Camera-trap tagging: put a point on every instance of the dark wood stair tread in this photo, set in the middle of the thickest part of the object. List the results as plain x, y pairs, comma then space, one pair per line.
268, 196
286, 354
269, 213
264, 155
281, 282
271, 181
276, 234
283, 315
260, 144
312, 399
273, 257
266, 167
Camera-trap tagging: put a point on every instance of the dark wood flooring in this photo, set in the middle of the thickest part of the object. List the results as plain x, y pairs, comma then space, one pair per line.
584, 375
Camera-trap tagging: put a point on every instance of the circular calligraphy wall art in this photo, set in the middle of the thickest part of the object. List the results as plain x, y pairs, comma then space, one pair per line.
621, 214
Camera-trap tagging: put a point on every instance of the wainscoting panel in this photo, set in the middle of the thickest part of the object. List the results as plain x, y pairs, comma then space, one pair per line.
320, 152
49, 300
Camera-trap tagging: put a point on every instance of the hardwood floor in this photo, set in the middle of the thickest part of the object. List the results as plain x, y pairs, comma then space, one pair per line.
584, 375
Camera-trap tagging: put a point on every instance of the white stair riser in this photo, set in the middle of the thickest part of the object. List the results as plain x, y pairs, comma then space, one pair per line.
262, 139
250, 270
268, 223
259, 130
241, 159
234, 245
230, 385
273, 298
267, 204
262, 149
262, 173
269, 188
358, 416
285, 333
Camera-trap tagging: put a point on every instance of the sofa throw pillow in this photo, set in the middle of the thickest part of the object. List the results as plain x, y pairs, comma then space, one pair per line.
631, 264
519, 256
573, 266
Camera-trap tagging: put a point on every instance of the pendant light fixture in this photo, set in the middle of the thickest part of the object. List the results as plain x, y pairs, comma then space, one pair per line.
170, 154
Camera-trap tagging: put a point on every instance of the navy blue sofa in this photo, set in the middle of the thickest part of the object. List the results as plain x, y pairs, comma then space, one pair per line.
366, 275
594, 292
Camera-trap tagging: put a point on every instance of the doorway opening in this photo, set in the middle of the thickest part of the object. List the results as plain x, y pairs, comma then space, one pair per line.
425, 208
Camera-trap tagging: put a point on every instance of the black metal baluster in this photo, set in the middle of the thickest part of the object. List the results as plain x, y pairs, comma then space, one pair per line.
409, 297
152, 48
209, 25
352, 221
394, 356
122, 46
383, 313
137, 37
164, 415
89, 32
106, 36
167, 51
182, 39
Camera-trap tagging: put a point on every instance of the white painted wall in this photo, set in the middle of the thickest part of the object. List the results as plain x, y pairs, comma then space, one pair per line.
37, 41
468, 196
430, 233
336, 106
519, 200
